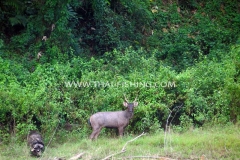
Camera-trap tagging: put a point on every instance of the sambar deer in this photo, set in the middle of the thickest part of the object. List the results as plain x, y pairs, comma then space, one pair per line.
117, 119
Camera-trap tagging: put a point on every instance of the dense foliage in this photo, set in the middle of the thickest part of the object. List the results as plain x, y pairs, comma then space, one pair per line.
61, 61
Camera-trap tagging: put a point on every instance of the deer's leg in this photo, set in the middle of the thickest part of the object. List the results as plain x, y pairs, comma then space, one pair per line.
94, 132
92, 135
120, 130
97, 133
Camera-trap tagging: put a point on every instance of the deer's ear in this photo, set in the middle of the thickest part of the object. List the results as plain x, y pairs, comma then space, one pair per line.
135, 104
125, 104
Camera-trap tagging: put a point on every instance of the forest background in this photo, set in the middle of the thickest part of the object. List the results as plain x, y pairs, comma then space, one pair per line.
63, 60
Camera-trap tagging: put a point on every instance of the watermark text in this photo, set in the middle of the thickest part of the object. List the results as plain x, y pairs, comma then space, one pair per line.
104, 84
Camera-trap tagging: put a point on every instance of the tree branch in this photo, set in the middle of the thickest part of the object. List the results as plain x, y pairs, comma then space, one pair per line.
149, 157
113, 155
123, 149
168, 124
77, 156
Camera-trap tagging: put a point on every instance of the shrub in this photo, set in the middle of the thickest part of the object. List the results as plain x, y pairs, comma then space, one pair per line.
204, 88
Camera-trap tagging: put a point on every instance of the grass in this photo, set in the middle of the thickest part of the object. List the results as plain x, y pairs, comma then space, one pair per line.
209, 143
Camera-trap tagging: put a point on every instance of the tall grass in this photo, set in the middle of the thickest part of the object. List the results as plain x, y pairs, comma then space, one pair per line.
201, 143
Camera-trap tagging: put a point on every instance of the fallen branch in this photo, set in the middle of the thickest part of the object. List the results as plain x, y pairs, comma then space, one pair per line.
56, 158
112, 155
149, 157
123, 149
77, 156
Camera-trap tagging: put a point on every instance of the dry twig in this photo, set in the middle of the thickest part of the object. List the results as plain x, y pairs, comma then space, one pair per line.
56, 158
167, 127
77, 156
167, 130
112, 155
124, 147
50, 140
149, 157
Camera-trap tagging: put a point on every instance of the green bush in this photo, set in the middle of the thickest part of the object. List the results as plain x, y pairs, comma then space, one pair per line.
36, 100
60, 93
167, 54
205, 88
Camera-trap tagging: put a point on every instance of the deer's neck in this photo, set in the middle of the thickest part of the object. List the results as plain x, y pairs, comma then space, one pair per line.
128, 114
